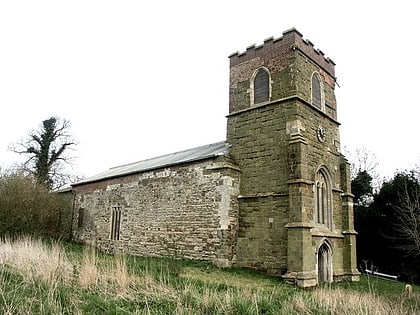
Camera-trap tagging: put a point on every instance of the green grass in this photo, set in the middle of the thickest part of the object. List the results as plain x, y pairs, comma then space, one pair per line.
48, 277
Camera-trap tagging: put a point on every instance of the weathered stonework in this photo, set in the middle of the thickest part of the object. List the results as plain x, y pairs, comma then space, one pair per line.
186, 211
276, 146
274, 197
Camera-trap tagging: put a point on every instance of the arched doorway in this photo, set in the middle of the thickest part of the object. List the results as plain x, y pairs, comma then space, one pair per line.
324, 263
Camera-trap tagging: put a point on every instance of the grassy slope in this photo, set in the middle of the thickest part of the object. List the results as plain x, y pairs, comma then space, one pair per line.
46, 279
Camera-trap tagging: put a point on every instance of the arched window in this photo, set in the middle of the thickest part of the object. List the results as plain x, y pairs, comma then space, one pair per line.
316, 91
323, 199
261, 86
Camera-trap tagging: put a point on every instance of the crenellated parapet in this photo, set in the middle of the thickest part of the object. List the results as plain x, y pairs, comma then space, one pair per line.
291, 40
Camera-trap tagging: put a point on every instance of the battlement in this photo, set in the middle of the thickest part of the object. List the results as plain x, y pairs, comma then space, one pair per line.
291, 40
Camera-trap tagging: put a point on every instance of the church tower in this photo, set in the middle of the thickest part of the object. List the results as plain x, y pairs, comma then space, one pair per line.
295, 205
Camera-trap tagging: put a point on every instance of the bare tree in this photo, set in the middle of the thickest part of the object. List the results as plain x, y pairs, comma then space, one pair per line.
407, 226
47, 151
362, 160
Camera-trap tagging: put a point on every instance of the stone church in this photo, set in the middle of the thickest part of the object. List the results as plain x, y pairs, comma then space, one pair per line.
275, 196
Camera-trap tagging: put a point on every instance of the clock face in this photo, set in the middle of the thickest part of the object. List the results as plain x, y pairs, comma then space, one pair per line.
321, 134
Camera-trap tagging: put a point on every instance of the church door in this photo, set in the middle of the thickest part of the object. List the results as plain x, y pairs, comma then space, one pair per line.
324, 264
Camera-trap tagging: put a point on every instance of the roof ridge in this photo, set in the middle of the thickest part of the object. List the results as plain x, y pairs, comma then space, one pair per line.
180, 157
163, 155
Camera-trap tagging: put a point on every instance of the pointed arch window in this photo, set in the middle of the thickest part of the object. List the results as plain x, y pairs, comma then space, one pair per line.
316, 91
261, 86
323, 199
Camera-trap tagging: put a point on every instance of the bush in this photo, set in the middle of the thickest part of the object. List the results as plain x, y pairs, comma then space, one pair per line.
29, 208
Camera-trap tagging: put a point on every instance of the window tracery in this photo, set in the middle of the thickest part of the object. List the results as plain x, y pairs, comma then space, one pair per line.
323, 199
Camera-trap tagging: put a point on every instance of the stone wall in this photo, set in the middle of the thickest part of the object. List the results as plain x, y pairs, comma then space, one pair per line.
262, 234
255, 207
259, 142
185, 211
276, 146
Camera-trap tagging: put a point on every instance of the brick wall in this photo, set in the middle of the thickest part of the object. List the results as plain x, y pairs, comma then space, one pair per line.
279, 56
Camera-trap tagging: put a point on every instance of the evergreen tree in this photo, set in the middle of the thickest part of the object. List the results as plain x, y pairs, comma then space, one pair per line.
395, 239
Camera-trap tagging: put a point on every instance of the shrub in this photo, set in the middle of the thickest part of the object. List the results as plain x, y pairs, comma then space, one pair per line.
29, 208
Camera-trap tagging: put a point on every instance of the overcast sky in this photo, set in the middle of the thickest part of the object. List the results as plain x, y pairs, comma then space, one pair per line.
138, 79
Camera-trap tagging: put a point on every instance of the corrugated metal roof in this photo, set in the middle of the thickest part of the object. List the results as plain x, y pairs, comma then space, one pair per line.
191, 155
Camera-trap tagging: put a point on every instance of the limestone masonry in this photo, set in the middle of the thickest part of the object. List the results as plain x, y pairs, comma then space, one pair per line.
275, 196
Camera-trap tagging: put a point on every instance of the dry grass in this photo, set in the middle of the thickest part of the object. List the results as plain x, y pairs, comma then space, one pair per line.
340, 301
38, 277
45, 269
33, 259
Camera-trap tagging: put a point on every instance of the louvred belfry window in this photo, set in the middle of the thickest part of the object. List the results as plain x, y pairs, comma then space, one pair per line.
316, 91
261, 87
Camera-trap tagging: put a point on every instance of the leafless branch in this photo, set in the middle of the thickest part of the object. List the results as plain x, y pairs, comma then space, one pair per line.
408, 223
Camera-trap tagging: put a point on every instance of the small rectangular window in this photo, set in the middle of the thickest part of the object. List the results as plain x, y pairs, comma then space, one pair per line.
115, 223
80, 217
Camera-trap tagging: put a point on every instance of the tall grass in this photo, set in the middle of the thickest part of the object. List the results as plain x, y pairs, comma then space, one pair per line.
340, 301
39, 277
35, 260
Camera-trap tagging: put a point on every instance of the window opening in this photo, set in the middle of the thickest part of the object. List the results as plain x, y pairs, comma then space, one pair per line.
115, 223
316, 91
261, 87
80, 217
